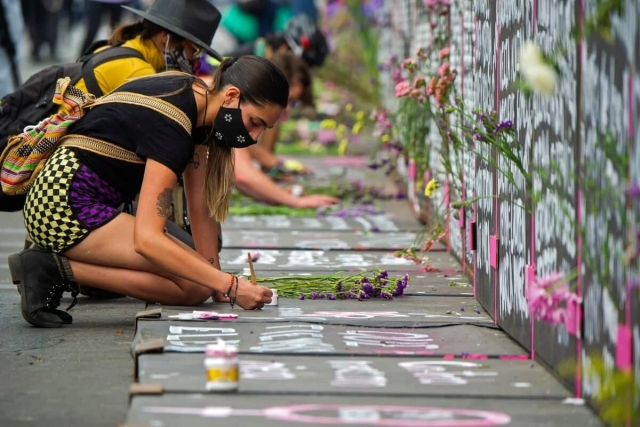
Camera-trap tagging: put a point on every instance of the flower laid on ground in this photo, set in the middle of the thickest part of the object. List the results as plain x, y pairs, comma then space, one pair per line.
362, 286
549, 297
354, 211
430, 188
342, 147
411, 254
538, 71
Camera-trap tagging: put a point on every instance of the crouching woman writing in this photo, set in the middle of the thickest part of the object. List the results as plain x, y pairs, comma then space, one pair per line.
72, 211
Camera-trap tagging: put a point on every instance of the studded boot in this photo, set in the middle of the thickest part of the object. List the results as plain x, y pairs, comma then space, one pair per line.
43, 277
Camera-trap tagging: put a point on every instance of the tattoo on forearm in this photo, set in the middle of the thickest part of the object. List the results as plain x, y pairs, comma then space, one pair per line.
195, 161
164, 203
212, 261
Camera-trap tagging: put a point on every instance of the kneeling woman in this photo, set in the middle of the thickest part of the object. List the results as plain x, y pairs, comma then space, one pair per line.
72, 211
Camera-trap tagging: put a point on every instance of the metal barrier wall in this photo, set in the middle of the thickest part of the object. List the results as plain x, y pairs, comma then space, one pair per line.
586, 136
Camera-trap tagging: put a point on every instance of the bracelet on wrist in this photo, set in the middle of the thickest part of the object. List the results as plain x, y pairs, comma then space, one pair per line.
226, 295
233, 300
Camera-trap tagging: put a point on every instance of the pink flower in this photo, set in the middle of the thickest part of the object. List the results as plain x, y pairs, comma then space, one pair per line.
396, 75
326, 136
416, 93
444, 69
432, 86
420, 81
409, 64
403, 89
444, 52
545, 297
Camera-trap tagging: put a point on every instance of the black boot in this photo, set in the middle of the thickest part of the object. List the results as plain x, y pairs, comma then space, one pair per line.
15, 271
43, 277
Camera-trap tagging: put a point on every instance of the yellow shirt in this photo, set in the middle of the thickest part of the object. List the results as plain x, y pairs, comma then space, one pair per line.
112, 74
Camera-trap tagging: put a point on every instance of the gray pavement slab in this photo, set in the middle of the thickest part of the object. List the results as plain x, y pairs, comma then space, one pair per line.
404, 311
284, 223
77, 375
308, 338
389, 376
243, 409
301, 261
321, 240
430, 284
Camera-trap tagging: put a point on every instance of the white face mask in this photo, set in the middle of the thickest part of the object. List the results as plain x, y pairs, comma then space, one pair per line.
176, 60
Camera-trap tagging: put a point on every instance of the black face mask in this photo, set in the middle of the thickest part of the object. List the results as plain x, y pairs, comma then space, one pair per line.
229, 129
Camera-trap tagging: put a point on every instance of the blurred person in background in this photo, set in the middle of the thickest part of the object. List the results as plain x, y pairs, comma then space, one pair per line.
41, 18
11, 28
248, 20
95, 11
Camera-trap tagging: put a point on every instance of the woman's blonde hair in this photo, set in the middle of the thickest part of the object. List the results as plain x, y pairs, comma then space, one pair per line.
220, 179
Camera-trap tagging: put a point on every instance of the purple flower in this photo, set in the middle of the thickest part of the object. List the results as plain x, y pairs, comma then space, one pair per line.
405, 281
367, 288
301, 297
633, 190
504, 125
339, 287
461, 308
478, 311
385, 295
331, 297
478, 137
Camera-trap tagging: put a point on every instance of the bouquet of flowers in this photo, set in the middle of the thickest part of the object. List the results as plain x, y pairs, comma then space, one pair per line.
362, 286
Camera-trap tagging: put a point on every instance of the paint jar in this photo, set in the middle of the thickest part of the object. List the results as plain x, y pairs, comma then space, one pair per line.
297, 190
221, 364
274, 297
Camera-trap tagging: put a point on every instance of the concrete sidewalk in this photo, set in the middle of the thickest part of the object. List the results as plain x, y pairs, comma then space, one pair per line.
432, 357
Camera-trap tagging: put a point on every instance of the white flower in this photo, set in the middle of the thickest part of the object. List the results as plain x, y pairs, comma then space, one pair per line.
530, 55
227, 117
542, 79
537, 73
241, 139
219, 135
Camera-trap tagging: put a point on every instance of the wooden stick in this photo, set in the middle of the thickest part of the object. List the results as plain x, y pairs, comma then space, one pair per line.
253, 273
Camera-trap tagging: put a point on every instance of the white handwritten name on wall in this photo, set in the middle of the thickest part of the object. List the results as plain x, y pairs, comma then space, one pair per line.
513, 18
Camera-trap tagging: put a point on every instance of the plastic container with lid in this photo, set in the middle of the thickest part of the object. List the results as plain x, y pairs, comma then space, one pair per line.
274, 297
221, 364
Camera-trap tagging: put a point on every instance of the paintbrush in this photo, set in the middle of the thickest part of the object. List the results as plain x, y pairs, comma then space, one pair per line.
253, 273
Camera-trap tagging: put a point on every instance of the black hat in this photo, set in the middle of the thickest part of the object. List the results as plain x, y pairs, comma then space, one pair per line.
195, 20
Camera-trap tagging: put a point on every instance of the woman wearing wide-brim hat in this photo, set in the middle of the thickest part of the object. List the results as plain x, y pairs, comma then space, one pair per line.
172, 35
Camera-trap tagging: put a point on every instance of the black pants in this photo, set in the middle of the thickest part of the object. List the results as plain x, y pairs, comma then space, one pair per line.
41, 19
94, 12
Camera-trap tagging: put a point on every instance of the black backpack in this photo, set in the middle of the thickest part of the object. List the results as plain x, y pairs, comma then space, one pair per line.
33, 100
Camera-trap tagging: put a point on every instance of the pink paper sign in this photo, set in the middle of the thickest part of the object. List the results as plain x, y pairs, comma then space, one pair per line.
572, 322
412, 169
493, 251
530, 276
623, 348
